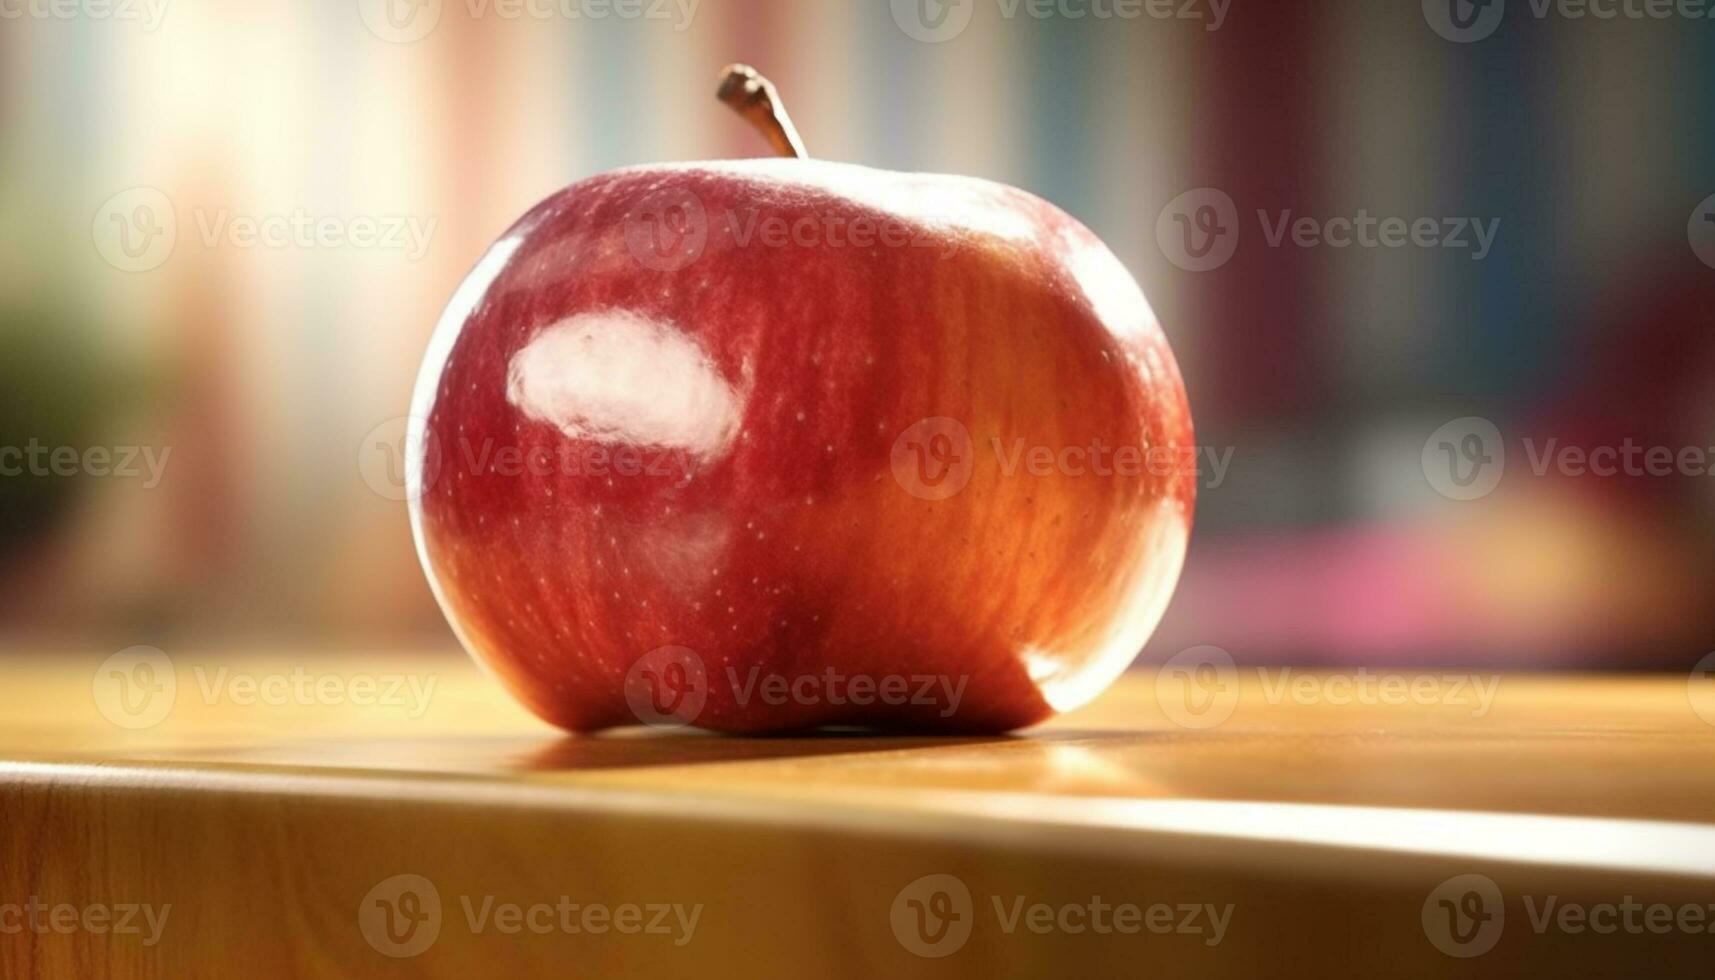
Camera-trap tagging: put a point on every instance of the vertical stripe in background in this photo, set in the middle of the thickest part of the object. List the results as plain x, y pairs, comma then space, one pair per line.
1385, 151
84, 76
818, 68
50, 75
683, 120
974, 103
1501, 333
1143, 100
1061, 100
893, 122
1693, 96
1620, 167
614, 91
753, 32
1257, 141
535, 74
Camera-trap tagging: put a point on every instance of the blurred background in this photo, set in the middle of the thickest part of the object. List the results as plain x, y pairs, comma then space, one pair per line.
226, 229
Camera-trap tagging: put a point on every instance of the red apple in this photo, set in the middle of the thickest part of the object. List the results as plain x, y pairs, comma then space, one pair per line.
773, 444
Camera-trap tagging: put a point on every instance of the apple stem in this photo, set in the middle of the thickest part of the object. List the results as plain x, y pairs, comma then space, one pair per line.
755, 98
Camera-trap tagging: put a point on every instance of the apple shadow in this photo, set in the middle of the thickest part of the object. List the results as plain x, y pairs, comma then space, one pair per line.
618, 749
644, 748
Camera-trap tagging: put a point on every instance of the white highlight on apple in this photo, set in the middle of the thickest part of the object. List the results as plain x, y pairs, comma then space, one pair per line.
1070, 679
1108, 285
422, 467
618, 376
420, 470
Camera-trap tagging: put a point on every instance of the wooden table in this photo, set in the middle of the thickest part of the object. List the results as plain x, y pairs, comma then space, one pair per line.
1297, 823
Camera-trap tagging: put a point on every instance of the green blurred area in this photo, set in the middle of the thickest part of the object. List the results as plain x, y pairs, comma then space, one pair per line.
56, 389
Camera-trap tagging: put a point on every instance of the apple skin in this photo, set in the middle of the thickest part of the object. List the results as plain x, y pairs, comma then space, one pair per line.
681, 407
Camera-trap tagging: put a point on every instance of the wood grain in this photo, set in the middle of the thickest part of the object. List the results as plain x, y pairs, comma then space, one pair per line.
1324, 826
